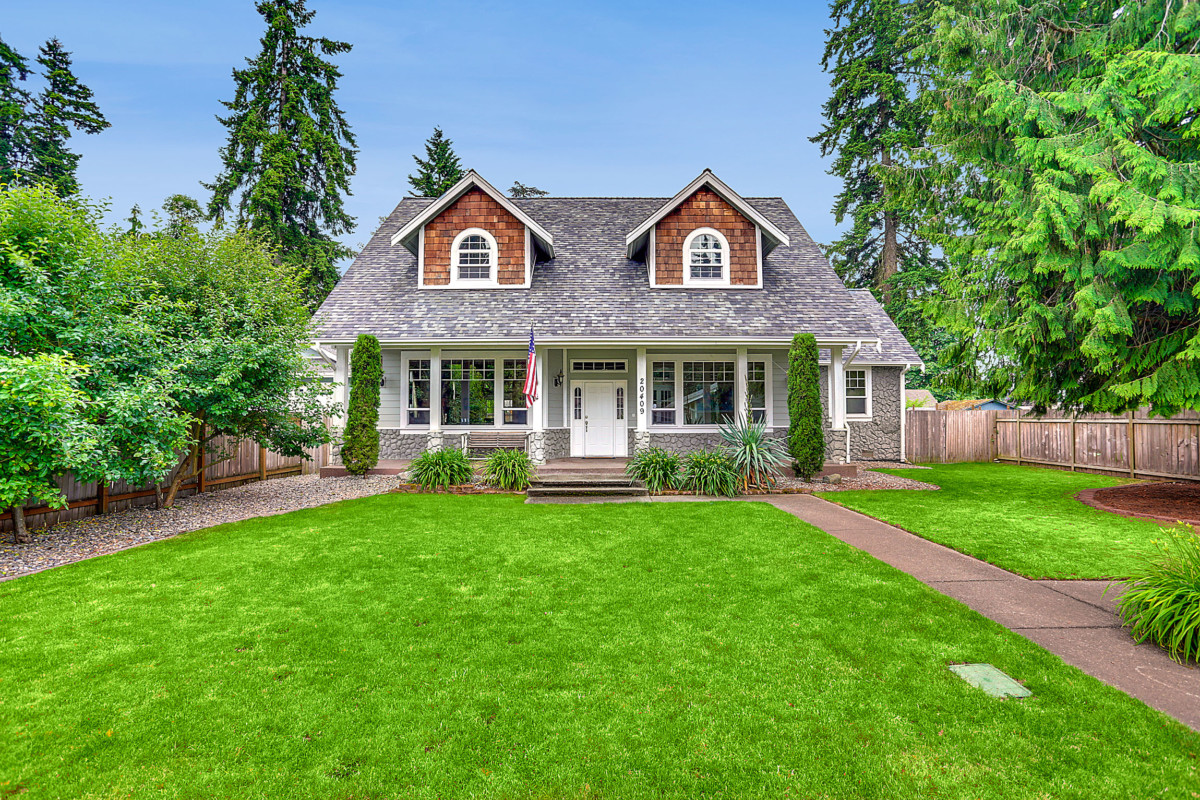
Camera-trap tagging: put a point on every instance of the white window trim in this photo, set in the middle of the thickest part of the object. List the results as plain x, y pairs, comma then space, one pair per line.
765, 360
726, 257
497, 357
465, 283
678, 359
867, 417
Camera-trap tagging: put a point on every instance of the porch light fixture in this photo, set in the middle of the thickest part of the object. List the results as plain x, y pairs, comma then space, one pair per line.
558, 379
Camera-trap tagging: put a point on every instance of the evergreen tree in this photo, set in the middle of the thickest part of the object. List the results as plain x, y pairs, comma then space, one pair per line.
1061, 181
14, 114
63, 104
290, 154
872, 120
521, 190
439, 170
360, 445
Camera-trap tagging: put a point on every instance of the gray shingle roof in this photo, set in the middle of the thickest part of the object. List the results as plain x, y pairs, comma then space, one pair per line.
894, 348
590, 289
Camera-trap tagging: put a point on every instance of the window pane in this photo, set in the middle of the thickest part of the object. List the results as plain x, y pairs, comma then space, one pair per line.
468, 391
756, 388
578, 403
620, 402
856, 391
708, 388
418, 392
662, 410
474, 258
514, 391
856, 405
707, 258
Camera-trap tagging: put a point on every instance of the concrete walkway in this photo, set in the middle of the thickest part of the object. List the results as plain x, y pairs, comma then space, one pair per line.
1071, 619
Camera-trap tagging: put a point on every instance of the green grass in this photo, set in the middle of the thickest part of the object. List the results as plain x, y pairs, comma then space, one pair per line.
430, 646
1023, 519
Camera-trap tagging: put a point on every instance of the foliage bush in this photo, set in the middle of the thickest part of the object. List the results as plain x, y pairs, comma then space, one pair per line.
1162, 603
440, 469
510, 470
757, 457
710, 472
655, 467
806, 434
360, 443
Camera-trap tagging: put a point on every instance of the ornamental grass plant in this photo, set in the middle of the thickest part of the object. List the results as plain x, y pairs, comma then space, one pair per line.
710, 472
655, 467
757, 457
1162, 601
510, 470
441, 469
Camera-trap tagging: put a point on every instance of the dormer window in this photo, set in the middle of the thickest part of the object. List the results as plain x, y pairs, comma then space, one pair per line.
706, 256
474, 257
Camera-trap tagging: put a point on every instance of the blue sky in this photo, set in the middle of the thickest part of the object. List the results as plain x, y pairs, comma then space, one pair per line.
602, 98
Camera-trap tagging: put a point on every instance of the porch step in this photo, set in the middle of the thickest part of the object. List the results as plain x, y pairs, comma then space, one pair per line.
583, 485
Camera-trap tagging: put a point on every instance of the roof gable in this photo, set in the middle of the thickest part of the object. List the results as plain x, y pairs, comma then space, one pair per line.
636, 239
408, 234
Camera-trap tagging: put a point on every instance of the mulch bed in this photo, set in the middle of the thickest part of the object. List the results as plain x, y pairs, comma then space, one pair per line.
1167, 502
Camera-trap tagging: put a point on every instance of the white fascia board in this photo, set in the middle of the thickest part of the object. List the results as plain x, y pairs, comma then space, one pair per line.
605, 342
724, 192
469, 181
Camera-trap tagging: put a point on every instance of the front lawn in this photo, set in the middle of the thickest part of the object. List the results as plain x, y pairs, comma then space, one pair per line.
432, 646
1024, 519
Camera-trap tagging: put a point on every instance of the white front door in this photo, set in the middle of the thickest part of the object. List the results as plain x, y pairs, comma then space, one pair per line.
597, 426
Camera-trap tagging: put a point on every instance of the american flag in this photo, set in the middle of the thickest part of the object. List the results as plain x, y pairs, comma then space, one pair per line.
531, 381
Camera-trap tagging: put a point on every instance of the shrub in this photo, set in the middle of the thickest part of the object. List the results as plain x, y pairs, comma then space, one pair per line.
710, 472
360, 442
439, 469
756, 457
1162, 603
509, 470
806, 435
656, 468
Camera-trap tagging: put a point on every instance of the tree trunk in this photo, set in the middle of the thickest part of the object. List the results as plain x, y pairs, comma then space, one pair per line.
889, 259
20, 533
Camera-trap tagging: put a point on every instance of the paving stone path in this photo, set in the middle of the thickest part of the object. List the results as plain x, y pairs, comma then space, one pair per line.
1072, 619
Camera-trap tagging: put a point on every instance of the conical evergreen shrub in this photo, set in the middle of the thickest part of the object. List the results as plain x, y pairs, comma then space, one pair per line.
806, 430
360, 441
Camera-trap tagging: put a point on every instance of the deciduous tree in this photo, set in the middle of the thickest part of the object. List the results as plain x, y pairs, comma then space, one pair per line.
287, 164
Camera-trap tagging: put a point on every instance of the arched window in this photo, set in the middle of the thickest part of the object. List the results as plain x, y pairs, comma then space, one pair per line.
473, 256
706, 256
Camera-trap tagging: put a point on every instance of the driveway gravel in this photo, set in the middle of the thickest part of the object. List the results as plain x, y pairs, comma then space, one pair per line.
94, 536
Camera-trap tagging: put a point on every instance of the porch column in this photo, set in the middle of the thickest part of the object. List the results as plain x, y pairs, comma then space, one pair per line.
566, 389
538, 409
837, 397
341, 371
641, 411
435, 389
740, 400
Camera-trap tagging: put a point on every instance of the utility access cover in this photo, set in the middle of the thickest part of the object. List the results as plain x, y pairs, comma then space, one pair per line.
990, 679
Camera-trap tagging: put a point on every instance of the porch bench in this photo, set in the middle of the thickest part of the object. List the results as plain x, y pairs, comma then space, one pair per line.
488, 441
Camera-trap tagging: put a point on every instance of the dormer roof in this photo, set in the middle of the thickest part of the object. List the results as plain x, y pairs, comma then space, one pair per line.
637, 238
409, 234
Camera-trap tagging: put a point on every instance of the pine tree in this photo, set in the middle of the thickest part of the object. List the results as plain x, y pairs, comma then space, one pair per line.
14, 114
872, 120
63, 104
521, 190
1061, 180
439, 170
290, 154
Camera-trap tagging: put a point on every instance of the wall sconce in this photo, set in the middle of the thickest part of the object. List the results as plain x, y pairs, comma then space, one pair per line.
558, 379
382, 381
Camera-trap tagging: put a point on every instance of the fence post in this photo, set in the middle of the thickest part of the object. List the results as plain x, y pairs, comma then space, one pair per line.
262, 463
1129, 444
1072, 444
200, 469
1018, 438
102, 498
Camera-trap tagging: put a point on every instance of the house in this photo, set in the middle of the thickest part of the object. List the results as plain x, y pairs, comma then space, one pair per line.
976, 405
654, 319
920, 400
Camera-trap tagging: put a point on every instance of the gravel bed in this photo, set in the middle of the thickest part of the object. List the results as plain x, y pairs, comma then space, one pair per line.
93, 536
866, 479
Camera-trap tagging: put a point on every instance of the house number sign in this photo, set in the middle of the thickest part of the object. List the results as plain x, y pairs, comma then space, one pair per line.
641, 398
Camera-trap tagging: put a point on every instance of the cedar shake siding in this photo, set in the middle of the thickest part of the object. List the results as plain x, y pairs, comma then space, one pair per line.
475, 209
705, 209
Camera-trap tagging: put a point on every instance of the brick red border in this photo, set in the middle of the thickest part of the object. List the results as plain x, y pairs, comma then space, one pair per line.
1088, 498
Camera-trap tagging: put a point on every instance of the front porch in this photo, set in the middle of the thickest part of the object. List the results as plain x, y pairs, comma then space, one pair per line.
594, 401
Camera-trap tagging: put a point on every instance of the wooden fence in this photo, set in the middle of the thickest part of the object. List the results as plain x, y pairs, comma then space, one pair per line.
1135, 445
249, 463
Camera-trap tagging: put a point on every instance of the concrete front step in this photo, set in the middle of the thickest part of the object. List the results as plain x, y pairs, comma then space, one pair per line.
586, 490
582, 480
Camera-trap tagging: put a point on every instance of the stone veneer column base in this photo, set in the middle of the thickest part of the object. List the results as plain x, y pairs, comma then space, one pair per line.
535, 446
640, 441
433, 441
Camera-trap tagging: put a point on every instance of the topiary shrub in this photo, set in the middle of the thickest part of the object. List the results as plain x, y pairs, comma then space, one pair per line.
806, 428
656, 468
1162, 602
510, 470
360, 441
440, 469
710, 472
